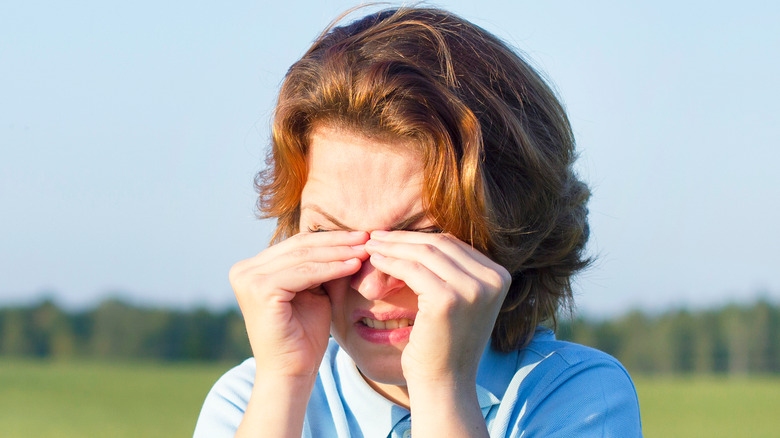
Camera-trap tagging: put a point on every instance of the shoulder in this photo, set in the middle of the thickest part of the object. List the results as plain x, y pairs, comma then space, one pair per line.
565, 360
226, 402
567, 389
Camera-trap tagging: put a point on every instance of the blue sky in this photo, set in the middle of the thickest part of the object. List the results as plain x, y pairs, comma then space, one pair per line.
130, 133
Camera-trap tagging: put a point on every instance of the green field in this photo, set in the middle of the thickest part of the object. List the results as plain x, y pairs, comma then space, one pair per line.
92, 399
85, 399
710, 406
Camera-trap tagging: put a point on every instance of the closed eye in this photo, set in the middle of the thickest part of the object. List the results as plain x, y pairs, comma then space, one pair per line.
429, 230
316, 230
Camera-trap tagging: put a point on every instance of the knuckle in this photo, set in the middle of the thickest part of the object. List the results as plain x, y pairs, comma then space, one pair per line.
474, 288
416, 266
497, 278
234, 271
494, 279
506, 277
237, 272
430, 248
449, 302
441, 238
246, 284
300, 253
475, 285
306, 269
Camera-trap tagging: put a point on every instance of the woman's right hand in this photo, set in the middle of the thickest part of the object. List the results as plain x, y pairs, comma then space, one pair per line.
286, 311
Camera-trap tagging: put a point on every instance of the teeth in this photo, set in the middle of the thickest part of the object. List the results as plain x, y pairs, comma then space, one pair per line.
390, 324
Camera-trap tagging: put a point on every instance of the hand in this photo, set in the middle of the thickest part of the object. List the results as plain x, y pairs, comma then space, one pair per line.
459, 293
286, 311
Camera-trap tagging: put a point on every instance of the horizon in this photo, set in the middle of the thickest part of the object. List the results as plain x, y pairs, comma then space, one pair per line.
129, 140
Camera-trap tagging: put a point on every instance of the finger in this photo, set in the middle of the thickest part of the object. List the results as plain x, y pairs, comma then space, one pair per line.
428, 255
321, 239
264, 264
312, 274
448, 243
461, 252
419, 278
476, 265
434, 293
315, 254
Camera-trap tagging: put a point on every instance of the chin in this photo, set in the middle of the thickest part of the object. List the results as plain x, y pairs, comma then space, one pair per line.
378, 363
383, 371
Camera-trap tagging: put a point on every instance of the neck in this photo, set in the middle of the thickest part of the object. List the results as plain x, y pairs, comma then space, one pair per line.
395, 393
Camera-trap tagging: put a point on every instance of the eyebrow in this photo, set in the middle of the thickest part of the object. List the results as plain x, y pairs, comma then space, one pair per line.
400, 225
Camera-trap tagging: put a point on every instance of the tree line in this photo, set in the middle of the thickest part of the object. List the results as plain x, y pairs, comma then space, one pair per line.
734, 339
117, 330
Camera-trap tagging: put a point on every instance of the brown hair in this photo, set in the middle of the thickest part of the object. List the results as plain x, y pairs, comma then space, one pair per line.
497, 146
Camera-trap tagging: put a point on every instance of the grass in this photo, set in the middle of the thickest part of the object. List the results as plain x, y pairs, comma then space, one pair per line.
79, 399
710, 406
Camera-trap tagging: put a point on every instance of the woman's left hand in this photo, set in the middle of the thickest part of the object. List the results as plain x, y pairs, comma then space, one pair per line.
459, 292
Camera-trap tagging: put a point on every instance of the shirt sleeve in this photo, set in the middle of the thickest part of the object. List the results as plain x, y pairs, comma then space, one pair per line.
226, 403
593, 398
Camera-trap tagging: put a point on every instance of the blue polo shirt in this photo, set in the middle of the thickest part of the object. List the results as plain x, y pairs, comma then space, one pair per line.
550, 388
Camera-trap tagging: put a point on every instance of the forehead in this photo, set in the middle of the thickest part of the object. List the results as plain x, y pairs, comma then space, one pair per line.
365, 182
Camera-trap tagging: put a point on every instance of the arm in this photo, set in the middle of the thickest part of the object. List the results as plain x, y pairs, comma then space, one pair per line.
276, 408
287, 316
446, 409
459, 293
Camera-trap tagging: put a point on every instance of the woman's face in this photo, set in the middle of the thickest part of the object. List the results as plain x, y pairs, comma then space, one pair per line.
361, 183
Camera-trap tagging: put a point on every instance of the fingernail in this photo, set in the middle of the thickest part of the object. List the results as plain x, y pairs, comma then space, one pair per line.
353, 261
379, 233
377, 256
358, 247
372, 242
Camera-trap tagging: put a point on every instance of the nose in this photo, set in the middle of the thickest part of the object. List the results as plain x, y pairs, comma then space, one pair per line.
374, 284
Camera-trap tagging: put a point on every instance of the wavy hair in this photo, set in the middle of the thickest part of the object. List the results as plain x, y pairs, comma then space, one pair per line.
496, 143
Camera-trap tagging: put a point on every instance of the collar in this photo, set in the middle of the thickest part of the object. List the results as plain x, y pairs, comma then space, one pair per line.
377, 416
496, 370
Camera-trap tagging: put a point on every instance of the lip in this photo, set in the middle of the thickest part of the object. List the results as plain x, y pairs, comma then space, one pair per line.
383, 336
384, 315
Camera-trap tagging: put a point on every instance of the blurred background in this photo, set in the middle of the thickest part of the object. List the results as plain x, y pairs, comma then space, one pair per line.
130, 133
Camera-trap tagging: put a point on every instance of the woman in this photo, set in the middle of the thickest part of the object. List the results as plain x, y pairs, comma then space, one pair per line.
429, 220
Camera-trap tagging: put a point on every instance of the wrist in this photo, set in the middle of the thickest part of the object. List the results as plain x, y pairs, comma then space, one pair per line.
282, 386
277, 406
428, 394
442, 380
446, 409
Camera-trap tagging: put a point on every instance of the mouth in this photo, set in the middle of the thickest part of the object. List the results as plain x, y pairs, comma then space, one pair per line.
385, 328
389, 324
